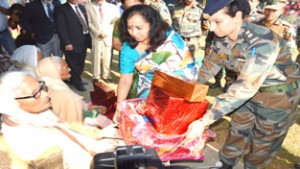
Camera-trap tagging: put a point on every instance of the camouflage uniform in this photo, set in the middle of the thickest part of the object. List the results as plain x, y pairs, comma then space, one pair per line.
186, 21
230, 75
263, 98
282, 28
163, 10
254, 16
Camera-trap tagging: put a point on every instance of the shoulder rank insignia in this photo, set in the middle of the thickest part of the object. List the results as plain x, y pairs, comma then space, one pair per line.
250, 36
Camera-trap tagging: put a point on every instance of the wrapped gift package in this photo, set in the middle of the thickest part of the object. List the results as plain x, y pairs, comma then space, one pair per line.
191, 91
172, 115
104, 90
137, 128
104, 95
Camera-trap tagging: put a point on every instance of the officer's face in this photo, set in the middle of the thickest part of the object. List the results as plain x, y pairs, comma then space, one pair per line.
138, 28
224, 25
272, 14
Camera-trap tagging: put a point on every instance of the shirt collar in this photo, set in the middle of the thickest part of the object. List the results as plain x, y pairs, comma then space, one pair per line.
73, 5
45, 4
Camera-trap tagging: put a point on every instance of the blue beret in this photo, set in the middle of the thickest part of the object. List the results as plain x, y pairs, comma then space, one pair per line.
213, 6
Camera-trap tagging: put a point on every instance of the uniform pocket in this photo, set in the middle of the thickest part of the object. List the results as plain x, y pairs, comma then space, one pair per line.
272, 100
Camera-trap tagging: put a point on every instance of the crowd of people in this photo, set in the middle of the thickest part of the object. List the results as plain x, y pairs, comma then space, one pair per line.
252, 46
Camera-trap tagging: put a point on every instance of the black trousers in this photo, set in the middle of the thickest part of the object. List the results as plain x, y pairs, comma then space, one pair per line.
76, 61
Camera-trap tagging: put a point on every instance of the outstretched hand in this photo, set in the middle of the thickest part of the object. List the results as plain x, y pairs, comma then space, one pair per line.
194, 131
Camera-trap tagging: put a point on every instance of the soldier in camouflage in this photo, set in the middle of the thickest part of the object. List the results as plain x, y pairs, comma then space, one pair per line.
162, 8
272, 11
186, 21
265, 95
255, 14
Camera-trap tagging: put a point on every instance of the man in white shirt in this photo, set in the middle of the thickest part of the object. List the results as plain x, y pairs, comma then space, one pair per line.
102, 16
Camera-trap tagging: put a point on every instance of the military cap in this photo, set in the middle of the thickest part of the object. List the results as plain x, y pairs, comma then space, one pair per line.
274, 4
213, 6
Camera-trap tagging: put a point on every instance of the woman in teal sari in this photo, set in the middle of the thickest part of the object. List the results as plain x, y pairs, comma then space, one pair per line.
148, 45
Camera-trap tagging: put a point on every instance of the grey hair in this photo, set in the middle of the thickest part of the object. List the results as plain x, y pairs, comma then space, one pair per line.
11, 81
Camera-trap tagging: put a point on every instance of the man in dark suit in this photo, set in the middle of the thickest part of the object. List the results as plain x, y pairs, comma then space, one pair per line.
38, 20
72, 26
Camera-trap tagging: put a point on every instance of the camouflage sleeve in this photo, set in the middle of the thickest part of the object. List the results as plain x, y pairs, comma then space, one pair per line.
289, 33
210, 67
259, 62
165, 13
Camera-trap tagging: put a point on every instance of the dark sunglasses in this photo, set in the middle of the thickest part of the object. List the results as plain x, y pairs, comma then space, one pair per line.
36, 94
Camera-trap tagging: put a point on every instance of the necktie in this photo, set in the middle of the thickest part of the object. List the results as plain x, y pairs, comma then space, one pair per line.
84, 26
50, 13
100, 10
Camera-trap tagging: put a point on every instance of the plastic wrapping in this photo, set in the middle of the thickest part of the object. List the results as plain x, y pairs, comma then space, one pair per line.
136, 128
172, 115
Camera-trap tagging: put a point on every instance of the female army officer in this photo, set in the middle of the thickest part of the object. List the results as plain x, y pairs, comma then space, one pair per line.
266, 93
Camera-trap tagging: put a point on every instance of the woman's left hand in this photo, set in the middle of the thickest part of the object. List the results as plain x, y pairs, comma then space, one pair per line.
117, 114
194, 131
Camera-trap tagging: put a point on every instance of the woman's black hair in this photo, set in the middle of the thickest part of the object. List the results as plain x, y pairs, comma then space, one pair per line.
16, 7
158, 27
239, 5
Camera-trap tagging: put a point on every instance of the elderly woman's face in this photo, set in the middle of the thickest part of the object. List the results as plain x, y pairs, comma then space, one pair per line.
64, 71
139, 28
40, 100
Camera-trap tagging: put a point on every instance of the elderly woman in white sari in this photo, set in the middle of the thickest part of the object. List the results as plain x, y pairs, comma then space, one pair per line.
26, 58
30, 127
67, 104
